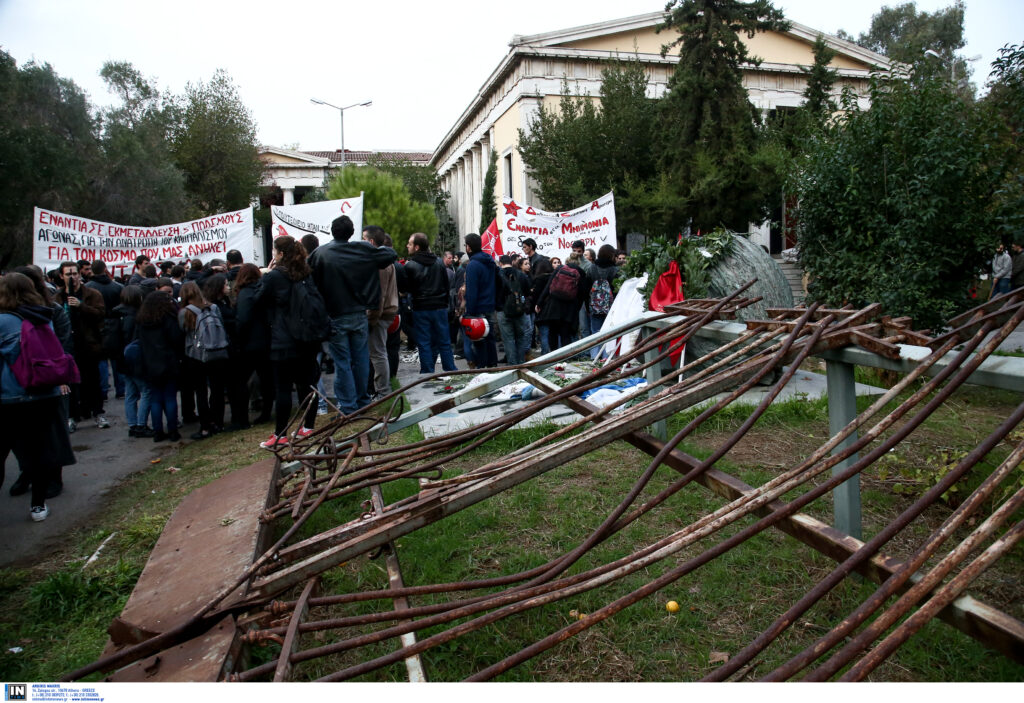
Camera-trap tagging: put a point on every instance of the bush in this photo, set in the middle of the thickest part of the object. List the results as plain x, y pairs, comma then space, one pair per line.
894, 203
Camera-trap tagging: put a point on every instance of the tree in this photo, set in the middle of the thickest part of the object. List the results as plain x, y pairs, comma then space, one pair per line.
709, 141
894, 202
386, 202
818, 100
140, 183
424, 186
214, 143
48, 149
1005, 103
586, 148
904, 34
488, 210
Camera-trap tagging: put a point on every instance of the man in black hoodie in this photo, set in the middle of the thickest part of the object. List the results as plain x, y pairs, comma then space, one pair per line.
426, 278
345, 272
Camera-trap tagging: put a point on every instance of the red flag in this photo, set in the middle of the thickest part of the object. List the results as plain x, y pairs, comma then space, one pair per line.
490, 240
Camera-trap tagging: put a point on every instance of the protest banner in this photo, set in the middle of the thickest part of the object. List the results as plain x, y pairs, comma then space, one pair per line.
61, 237
316, 218
554, 232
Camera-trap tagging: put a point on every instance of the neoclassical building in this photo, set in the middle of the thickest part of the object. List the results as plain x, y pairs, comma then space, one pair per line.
289, 174
532, 73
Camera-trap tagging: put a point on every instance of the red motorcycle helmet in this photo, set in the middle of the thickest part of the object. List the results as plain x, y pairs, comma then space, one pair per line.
476, 328
395, 324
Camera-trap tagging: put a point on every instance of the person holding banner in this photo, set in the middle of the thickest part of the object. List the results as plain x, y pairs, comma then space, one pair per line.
346, 274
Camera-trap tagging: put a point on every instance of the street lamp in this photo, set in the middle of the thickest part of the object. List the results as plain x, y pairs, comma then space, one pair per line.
951, 62
341, 114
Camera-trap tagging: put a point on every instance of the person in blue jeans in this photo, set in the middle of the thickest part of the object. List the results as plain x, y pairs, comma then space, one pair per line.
426, 279
484, 295
345, 272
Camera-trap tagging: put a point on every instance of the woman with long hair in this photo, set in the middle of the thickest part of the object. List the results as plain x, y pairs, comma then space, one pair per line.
33, 425
293, 361
252, 340
161, 339
207, 377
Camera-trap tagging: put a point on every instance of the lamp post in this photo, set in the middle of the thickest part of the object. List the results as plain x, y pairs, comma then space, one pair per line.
341, 114
951, 62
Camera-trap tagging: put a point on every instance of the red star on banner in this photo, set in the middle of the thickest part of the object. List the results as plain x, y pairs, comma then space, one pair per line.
511, 208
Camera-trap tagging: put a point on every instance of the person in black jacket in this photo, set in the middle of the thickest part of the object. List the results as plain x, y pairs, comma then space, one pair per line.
346, 274
293, 361
252, 339
136, 395
162, 342
111, 292
426, 278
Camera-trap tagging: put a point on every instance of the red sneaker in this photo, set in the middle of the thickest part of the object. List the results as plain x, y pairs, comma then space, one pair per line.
303, 433
274, 441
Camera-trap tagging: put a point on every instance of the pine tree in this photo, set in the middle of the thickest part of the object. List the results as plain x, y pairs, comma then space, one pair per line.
716, 174
820, 79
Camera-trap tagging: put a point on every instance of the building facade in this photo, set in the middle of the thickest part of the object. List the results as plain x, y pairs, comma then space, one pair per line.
532, 76
290, 174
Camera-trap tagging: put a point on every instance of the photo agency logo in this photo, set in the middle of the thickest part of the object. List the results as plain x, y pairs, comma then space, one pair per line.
15, 692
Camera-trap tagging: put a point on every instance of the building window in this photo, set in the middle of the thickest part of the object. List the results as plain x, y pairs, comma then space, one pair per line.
506, 169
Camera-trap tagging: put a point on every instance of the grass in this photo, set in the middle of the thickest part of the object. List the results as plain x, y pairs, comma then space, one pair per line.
57, 612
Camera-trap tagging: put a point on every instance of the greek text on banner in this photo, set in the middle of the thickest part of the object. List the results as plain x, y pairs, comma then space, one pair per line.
60, 237
316, 218
554, 232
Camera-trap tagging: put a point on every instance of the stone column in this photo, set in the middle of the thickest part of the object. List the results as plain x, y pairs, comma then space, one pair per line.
529, 107
289, 196
475, 152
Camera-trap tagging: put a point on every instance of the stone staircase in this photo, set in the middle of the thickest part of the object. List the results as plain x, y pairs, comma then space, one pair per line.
794, 275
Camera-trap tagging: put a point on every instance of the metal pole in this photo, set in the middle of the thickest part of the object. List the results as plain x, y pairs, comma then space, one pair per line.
842, 409
341, 112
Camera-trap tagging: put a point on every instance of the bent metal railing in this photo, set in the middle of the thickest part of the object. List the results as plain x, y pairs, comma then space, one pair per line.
351, 456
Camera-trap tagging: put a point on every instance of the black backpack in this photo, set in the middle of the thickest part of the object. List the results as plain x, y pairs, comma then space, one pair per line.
307, 319
517, 303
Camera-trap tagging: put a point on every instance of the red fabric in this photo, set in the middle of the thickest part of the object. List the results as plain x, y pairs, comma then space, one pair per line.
668, 290
491, 242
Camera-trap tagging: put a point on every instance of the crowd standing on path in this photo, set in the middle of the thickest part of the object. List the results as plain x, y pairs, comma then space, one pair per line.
183, 343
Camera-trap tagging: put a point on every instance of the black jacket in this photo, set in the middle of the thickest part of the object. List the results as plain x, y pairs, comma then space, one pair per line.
251, 329
426, 278
110, 290
346, 274
163, 345
275, 296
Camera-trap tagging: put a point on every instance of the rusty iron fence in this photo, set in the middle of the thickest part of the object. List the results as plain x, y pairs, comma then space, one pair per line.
203, 631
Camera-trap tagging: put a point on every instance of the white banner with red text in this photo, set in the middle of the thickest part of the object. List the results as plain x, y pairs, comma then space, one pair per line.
554, 232
60, 237
316, 218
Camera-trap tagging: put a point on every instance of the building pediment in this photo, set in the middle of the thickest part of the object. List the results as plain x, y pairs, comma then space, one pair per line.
279, 156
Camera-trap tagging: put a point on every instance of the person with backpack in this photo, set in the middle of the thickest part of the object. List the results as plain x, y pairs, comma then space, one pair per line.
484, 295
35, 372
601, 296
206, 356
558, 305
136, 390
345, 272
513, 317
217, 291
158, 346
293, 343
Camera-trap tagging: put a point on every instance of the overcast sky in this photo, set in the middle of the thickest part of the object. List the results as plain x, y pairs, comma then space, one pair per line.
421, 63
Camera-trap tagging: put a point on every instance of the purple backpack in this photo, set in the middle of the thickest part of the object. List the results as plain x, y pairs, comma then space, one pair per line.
42, 362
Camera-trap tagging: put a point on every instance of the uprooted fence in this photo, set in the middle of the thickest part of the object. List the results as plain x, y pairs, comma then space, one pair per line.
181, 626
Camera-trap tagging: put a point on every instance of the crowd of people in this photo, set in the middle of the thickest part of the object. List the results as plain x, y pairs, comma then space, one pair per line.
200, 343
